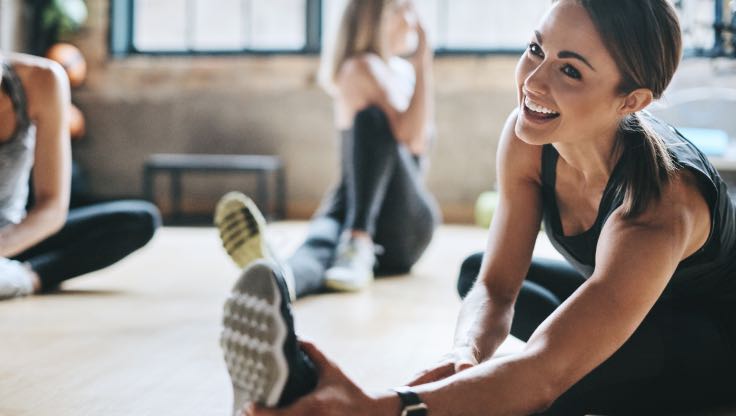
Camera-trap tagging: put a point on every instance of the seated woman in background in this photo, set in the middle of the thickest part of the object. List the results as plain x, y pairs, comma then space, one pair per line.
47, 243
643, 318
383, 111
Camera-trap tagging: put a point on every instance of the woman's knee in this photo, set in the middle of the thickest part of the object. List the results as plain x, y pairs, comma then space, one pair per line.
146, 218
138, 220
371, 125
468, 274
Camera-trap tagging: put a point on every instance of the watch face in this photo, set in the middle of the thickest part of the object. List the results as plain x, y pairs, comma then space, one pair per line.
419, 409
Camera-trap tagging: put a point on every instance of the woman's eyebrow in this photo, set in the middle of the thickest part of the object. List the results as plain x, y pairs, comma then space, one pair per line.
565, 54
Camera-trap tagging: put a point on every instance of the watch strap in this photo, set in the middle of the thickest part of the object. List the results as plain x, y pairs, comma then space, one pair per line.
411, 403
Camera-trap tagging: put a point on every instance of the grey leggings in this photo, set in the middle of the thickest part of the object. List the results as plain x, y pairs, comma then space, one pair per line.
381, 191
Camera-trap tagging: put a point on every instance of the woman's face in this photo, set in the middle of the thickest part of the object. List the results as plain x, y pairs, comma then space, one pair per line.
401, 27
567, 81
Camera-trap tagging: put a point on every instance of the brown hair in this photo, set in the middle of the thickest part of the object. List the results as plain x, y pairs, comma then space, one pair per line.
360, 31
645, 40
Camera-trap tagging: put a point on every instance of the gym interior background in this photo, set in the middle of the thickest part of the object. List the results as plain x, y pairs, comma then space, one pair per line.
161, 81
140, 338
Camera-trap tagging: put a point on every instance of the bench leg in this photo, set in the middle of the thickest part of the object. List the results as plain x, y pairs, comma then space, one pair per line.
175, 196
148, 184
281, 193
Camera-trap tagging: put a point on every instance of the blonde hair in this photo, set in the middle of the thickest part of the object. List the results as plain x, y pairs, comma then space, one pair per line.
360, 31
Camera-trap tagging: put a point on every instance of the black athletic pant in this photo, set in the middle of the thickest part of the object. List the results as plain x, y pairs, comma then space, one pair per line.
93, 237
681, 358
381, 192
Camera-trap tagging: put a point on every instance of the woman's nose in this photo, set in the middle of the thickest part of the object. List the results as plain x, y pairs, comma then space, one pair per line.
537, 81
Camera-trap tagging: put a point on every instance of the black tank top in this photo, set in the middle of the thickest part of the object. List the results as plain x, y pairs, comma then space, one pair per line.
709, 274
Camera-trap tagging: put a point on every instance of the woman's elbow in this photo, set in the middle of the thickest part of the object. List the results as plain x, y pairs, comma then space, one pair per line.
547, 382
547, 394
55, 213
61, 216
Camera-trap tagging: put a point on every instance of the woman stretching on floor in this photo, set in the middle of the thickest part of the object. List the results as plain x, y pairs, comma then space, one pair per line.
645, 319
47, 244
383, 110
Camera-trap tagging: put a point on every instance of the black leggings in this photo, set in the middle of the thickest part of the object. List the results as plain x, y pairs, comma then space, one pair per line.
381, 192
93, 237
681, 358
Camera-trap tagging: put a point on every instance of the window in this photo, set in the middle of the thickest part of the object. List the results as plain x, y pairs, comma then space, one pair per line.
466, 25
697, 18
236, 26
206, 26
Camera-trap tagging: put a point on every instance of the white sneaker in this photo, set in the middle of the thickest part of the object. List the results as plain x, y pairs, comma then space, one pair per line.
353, 267
15, 279
242, 232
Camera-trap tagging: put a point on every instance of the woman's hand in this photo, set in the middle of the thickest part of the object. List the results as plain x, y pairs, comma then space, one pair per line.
425, 51
459, 359
335, 393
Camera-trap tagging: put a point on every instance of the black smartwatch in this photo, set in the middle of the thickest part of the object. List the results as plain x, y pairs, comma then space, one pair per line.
411, 403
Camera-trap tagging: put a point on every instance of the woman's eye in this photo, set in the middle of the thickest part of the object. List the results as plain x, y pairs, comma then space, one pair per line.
535, 50
571, 72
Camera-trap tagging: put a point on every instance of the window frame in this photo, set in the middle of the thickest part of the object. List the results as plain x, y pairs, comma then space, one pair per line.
122, 28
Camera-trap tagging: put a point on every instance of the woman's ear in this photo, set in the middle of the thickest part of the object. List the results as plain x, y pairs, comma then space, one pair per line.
636, 100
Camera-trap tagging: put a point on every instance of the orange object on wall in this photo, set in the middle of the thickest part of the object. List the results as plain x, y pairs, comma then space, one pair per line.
77, 126
71, 58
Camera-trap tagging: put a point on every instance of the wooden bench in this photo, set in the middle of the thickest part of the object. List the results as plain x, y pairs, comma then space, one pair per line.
175, 165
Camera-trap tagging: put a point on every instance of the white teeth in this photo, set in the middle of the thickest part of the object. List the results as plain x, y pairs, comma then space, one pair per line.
538, 108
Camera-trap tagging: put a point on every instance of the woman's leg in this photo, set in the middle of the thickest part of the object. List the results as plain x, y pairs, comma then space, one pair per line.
548, 283
386, 194
369, 158
93, 237
312, 259
680, 359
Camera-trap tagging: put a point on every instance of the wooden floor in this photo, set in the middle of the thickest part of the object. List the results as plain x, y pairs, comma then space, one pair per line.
141, 338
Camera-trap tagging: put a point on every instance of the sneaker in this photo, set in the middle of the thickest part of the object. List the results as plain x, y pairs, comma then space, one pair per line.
241, 227
15, 279
263, 357
353, 267
242, 233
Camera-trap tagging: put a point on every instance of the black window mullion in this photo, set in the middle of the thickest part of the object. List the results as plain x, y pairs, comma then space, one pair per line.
313, 39
122, 27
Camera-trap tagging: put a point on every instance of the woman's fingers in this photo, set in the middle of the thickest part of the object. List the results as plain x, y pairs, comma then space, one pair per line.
434, 374
463, 365
317, 356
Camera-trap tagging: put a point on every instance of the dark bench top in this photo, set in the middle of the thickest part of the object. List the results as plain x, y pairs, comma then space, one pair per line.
208, 162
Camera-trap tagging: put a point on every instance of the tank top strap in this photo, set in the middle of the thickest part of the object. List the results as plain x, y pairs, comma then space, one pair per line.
14, 88
549, 165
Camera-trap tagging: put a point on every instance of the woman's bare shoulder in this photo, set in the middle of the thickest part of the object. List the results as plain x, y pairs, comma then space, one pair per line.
515, 157
367, 67
42, 79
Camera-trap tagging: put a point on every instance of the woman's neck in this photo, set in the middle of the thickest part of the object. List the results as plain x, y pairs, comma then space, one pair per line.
594, 160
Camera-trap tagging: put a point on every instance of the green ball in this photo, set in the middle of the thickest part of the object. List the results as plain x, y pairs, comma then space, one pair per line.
485, 207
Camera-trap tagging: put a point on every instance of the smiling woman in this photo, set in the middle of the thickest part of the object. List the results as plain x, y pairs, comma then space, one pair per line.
642, 316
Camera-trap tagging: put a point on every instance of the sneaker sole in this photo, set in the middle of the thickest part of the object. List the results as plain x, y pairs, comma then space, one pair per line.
253, 339
241, 226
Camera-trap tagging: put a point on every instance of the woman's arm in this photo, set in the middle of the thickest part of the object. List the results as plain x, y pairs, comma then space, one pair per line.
487, 311
366, 80
634, 262
47, 90
485, 316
